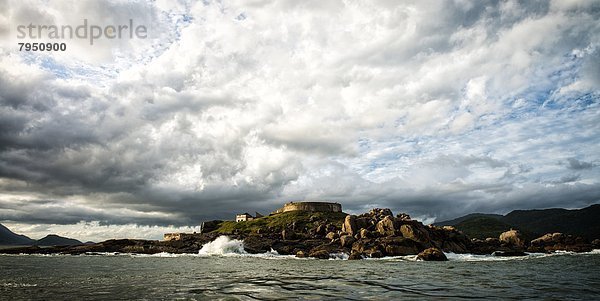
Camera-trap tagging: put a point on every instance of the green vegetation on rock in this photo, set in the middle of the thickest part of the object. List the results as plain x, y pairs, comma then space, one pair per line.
482, 227
278, 222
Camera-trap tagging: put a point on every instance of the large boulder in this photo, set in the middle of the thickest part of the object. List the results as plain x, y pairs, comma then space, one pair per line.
332, 235
320, 254
380, 213
403, 217
255, 244
559, 242
369, 247
399, 246
288, 234
321, 230
355, 256
349, 225
416, 233
513, 238
363, 223
387, 226
432, 254
347, 241
374, 253
448, 239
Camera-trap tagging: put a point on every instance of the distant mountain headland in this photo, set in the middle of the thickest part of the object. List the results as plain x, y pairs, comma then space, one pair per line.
320, 229
583, 222
9, 238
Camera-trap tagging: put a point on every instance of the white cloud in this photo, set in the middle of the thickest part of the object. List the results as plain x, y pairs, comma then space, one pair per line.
239, 105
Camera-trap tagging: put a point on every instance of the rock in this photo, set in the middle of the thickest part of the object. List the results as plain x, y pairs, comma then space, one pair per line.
347, 240
321, 254
449, 228
387, 226
559, 242
446, 239
321, 230
403, 216
375, 254
513, 238
300, 254
380, 213
332, 235
509, 253
432, 254
254, 244
412, 232
361, 245
596, 243
288, 235
454, 247
400, 246
209, 226
349, 225
364, 233
362, 222
355, 256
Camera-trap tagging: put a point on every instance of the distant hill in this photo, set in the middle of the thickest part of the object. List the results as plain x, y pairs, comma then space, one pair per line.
456, 221
533, 223
8, 238
482, 226
55, 240
582, 222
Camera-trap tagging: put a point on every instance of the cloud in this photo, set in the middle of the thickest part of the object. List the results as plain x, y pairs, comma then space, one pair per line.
433, 109
577, 165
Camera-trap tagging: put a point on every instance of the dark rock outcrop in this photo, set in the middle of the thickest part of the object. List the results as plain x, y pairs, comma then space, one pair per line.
432, 254
349, 225
558, 241
347, 240
513, 238
387, 226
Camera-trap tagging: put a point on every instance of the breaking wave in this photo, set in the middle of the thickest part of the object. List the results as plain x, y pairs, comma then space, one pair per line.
223, 245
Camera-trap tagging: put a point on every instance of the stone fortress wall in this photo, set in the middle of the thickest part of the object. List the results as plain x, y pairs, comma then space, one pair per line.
177, 236
309, 206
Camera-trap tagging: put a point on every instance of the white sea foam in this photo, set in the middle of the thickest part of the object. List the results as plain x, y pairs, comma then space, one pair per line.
474, 257
338, 256
223, 245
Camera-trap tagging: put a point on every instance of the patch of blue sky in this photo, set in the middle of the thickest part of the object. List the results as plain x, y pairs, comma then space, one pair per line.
547, 81
47, 63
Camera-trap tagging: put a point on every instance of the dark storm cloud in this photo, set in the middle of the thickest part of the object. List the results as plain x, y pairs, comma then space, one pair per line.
436, 110
578, 165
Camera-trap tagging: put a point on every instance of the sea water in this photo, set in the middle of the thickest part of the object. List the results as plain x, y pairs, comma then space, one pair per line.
223, 271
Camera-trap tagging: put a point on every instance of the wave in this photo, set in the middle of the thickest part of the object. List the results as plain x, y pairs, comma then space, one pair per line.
223, 245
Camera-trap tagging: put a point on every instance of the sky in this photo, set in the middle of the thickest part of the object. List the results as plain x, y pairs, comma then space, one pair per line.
433, 108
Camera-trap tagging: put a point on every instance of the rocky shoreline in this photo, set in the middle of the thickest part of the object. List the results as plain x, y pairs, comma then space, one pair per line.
375, 234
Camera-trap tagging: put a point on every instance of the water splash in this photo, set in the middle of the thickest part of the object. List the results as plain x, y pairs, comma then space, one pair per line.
223, 245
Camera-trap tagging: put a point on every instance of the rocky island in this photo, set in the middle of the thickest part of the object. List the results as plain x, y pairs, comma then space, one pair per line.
318, 229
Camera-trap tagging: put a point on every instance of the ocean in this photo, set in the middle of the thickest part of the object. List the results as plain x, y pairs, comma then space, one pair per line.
225, 272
